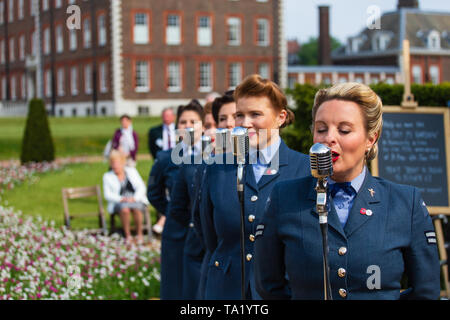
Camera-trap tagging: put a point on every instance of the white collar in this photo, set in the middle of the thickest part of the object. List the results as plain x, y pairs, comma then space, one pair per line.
267, 154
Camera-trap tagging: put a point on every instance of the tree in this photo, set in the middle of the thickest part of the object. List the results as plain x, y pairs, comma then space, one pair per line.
309, 51
37, 142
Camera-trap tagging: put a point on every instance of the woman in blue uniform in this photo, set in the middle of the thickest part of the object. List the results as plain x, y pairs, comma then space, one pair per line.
261, 108
378, 230
224, 113
182, 195
161, 181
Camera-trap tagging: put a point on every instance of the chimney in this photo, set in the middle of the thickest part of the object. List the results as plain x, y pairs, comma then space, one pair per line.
407, 4
324, 36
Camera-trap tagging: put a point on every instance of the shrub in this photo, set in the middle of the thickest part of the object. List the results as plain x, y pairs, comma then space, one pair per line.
37, 143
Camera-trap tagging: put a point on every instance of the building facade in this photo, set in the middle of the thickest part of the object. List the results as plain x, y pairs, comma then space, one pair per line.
109, 57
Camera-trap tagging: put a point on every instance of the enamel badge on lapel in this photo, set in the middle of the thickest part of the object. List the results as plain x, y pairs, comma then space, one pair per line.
366, 212
372, 192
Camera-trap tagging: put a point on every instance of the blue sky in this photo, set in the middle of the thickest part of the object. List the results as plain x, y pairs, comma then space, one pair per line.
347, 17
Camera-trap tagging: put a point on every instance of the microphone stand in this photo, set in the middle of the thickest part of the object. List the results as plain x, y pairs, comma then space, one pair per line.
322, 210
240, 189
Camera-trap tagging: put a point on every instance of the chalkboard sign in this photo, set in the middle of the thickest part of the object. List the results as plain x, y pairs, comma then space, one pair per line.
414, 150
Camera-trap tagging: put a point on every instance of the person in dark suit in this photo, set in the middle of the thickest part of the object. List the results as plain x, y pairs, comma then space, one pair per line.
261, 108
378, 230
162, 137
162, 179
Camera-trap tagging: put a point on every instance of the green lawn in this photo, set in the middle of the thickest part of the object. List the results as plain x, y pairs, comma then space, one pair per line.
43, 196
73, 136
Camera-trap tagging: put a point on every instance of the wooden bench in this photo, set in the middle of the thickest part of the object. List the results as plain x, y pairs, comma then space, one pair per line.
85, 192
147, 227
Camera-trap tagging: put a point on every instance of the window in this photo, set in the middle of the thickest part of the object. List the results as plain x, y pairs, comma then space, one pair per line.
417, 74
4, 88
22, 47
47, 40
141, 28
12, 51
21, 10
23, 87
174, 76
204, 31
434, 74
380, 41
103, 77
61, 82
59, 39
263, 70
262, 32
205, 77
11, 11
434, 40
2, 12
87, 33
101, 30
234, 31
234, 74
58, 3
73, 39
45, 5
13, 88
88, 79
173, 29
142, 76
33, 43
48, 83
2, 51
74, 81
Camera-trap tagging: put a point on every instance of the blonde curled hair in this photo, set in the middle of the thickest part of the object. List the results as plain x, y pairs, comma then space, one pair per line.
116, 154
368, 101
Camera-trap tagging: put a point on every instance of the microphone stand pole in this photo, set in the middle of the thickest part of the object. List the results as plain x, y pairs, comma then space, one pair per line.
240, 189
322, 210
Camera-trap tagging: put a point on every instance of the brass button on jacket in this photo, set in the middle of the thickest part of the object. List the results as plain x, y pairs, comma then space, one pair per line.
249, 257
252, 238
251, 218
343, 293
342, 251
216, 263
342, 272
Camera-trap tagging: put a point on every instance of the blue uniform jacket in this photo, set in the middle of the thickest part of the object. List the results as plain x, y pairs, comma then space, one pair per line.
183, 195
367, 257
161, 181
220, 221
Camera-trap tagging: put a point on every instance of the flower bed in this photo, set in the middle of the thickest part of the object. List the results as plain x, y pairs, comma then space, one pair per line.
39, 261
14, 174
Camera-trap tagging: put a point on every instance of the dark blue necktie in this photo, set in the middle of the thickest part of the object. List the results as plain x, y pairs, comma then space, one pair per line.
344, 186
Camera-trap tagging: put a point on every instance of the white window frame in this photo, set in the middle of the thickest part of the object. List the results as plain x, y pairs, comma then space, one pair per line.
416, 71
59, 39
141, 34
263, 30
234, 74
61, 76
12, 49
101, 25
46, 41
174, 76
88, 79
87, 33
434, 74
103, 72
22, 47
48, 83
205, 74
74, 80
142, 73
73, 40
204, 33
234, 31
173, 32
23, 86
266, 73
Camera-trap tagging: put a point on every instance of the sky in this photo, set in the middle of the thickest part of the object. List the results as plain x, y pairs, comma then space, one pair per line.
347, 17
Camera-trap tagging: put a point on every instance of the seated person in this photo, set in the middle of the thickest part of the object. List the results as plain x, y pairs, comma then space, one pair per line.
125, 192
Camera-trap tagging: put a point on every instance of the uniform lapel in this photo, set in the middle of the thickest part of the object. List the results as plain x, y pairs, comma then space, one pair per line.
333, 219
249, 177
280, 157
368, 198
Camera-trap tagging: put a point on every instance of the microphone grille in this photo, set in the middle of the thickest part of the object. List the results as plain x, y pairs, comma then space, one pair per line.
321, 161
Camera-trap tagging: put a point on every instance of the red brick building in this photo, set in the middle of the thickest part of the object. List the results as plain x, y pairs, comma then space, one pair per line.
133, 56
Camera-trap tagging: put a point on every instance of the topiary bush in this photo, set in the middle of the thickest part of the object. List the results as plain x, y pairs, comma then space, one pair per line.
37, 142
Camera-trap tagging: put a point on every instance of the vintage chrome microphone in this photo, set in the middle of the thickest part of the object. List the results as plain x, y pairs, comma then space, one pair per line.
321, 168
206, 147
222, 140
240, 140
